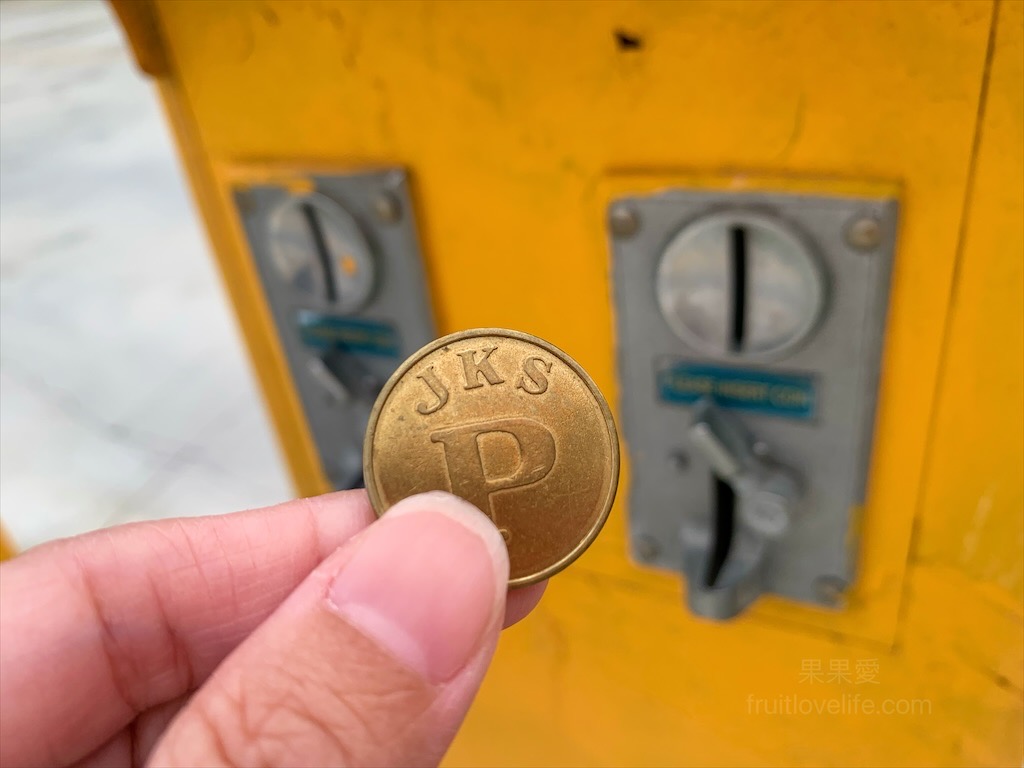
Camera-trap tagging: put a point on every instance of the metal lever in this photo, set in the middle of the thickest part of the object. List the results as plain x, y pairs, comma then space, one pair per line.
346, 379
345, 376
766, 499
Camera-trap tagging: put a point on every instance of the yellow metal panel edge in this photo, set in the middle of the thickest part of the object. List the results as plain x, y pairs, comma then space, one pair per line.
141, 28
280, 394
968, 549
239, 278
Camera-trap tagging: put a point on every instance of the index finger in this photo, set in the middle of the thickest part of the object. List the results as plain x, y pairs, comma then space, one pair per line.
99, 628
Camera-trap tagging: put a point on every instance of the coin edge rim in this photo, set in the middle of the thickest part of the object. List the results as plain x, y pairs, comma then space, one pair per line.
595, 391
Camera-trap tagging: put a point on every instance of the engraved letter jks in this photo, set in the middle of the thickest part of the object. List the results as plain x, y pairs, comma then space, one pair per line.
466, 467
440, 392
534, 381
474, 369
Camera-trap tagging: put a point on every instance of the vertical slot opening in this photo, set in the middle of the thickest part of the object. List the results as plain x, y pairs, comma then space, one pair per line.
321, 249
738, 236
724, 523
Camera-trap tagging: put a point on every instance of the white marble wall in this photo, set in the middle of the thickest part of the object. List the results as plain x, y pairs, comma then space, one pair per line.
125, 393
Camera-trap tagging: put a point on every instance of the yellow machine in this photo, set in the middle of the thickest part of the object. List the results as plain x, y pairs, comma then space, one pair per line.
539, 162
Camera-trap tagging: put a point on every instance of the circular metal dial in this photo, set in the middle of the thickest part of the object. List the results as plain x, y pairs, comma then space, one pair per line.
317, 248
739, 285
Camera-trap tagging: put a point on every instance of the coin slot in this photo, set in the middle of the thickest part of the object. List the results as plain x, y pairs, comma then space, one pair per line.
724, 524
738, 252
320, 244
739, 285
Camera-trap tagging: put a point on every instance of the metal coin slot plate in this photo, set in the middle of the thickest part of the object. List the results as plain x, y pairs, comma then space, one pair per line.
804, 403
341, 269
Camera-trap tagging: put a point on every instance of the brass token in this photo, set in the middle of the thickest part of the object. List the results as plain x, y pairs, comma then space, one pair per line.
513, 425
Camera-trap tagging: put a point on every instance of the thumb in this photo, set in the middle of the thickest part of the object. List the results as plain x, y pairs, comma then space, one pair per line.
372, 660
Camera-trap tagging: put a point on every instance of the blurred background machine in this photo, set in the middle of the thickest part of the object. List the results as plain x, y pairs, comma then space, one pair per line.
784, 238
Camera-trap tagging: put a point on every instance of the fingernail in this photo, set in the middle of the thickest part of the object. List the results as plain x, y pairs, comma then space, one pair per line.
425, 582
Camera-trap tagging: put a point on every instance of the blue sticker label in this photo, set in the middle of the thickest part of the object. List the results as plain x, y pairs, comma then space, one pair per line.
775, 394
368, 337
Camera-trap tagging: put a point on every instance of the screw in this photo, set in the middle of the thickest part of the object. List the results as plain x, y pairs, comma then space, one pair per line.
646, 547
623, 220
864, 234
831, 590
387, 208
769, 513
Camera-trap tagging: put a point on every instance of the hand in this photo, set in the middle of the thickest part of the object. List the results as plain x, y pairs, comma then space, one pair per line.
295, 635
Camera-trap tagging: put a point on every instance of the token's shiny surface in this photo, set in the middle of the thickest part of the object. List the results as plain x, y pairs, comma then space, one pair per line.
513, 425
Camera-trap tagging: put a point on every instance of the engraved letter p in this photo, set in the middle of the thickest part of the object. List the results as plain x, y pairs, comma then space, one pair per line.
466, 466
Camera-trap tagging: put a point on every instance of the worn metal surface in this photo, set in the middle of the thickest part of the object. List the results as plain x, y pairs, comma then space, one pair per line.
821, 421
509, 116
345, 317
752, 312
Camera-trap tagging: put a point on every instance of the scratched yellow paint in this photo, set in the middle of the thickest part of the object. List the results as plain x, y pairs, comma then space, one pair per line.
517, 120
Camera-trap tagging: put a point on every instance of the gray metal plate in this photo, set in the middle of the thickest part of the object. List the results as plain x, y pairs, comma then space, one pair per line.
397, 317
671, 492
